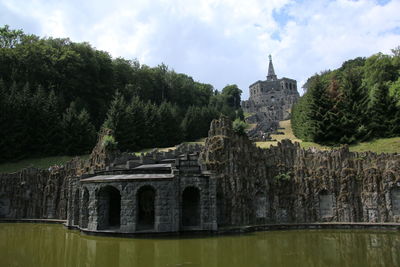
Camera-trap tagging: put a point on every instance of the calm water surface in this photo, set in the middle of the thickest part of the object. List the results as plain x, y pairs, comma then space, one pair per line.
52, 245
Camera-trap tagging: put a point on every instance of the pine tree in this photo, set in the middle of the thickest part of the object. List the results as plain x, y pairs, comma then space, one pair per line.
191, 123
134, 131
352, 104
52, 120
320, 105
378, 111
168, 125
78, 132
152, 134
118, 121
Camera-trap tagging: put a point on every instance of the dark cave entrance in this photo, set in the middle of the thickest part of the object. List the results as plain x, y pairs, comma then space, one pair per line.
191, 207
109, 208
146, 208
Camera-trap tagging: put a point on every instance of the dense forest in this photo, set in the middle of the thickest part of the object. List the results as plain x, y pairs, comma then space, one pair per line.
56, 94
357, 102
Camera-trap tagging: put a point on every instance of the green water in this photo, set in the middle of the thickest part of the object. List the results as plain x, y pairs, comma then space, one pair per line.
52, 245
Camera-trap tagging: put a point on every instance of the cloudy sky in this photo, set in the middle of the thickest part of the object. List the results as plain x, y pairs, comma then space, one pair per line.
219, 41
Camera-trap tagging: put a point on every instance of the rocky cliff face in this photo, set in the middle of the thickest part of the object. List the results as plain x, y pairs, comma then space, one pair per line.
34, 193
281, 184
44, 194
38, 193
289, 184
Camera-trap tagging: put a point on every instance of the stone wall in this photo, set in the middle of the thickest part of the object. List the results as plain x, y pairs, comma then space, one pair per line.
35, 193
298, 185
44, 193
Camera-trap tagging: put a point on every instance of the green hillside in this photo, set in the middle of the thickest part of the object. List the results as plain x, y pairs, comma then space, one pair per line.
358, 102
381, 145
40, 163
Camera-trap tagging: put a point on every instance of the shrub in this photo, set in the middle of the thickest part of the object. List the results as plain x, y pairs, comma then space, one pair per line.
239, 127
109, 142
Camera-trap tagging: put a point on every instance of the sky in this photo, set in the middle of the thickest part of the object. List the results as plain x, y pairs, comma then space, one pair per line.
219, 42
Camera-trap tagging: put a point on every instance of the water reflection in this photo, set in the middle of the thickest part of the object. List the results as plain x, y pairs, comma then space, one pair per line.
52, 245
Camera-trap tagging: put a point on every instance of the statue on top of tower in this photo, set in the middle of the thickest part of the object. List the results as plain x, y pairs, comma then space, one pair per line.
271, 72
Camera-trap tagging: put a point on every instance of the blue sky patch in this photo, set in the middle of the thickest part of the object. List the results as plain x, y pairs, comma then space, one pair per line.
276, 36
382, 2
281, 17
396, 30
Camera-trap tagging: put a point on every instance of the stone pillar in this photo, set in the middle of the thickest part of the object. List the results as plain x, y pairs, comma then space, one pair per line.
128, 206
70, 213
212, 189
93, 203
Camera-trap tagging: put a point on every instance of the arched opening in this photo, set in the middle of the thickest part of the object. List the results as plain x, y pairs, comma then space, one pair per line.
220, 209
4, 207
76, 208
191, 207
146, 208
395, 195
85, 208
109, 208
325, 204
260, 205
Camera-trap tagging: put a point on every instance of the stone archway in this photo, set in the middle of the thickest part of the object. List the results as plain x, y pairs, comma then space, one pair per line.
395, 197
220, 209
85, 208
191, 207
4, 206
109, 208
146, 196
325, 204
76, 207
260, 205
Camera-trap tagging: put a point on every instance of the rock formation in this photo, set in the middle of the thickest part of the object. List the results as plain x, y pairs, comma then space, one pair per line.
292, 184
250, 185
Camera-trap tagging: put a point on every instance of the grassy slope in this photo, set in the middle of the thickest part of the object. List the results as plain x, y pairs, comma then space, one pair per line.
383, 145
146, 150
42, 163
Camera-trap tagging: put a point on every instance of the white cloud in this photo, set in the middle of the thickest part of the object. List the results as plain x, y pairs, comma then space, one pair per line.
219, 41
324, 35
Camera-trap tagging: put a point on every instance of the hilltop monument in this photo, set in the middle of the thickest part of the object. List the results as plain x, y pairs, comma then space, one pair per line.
270, 101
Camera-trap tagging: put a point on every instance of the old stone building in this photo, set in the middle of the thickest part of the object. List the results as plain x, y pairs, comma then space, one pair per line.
145, 197
273, 96
270, 101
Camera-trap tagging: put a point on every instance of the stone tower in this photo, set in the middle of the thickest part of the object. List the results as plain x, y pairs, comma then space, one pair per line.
270, 100
271, 72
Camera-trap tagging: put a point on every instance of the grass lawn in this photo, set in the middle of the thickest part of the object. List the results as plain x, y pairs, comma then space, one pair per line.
383, 145
147, 150
247, 114
200, 141
250, 126
40, 163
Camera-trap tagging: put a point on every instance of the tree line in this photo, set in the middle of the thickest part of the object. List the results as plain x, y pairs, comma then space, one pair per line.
357, 102
56, 94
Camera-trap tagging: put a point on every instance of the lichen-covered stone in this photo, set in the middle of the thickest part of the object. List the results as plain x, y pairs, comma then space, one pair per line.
362, 187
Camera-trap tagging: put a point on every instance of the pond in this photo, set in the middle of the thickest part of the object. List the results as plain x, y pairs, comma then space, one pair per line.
23, 244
